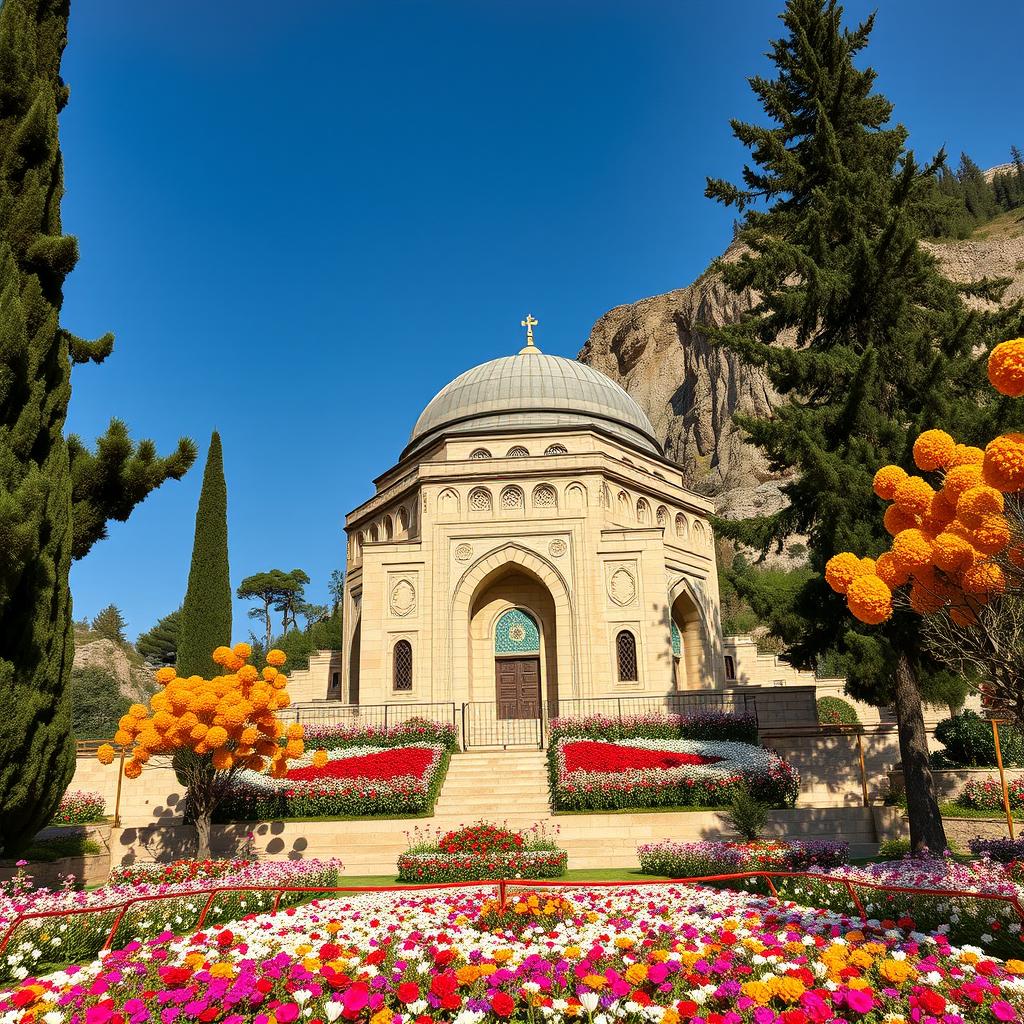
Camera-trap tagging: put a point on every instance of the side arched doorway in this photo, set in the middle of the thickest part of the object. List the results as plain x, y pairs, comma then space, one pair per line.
692, 664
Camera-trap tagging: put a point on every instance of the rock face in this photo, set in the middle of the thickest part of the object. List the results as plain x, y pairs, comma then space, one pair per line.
136, 683
691, 389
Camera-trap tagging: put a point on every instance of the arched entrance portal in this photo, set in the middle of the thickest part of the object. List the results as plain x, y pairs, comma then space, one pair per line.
692, 667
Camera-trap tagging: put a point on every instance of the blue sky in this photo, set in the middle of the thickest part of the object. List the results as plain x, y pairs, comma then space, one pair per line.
302, 220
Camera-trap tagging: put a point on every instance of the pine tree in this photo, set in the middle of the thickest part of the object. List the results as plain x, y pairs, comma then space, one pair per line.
206, 613
159, 645
110, 624
55, 497
858, 331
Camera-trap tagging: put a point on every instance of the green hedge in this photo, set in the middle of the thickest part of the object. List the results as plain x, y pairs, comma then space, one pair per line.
836, 711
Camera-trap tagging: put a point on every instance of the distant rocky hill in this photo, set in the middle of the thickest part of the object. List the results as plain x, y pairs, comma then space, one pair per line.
691, 389
134, 679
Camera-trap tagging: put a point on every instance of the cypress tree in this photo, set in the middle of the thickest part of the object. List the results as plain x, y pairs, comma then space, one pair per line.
859, 332
55, 497
206, 613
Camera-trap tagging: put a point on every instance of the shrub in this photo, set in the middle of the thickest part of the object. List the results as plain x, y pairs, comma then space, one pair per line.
969, 743
747, 815
80, 808
987, 795
836, 711
96, 703
481, 838
894, 848
1005, 851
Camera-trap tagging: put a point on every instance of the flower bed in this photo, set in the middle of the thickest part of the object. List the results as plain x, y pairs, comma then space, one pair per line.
701, 725
691, 860
482, 851
1004, 850
663, 953
642, 772
411, 732
78, 807
987, 794
61, 940
356, 781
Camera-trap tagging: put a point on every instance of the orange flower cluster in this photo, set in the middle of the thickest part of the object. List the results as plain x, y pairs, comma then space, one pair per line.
230, 718
945, 540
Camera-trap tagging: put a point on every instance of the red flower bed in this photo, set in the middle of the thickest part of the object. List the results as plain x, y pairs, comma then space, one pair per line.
382, 766
592, 756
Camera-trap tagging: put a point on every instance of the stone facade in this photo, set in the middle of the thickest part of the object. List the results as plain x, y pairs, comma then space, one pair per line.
594, 537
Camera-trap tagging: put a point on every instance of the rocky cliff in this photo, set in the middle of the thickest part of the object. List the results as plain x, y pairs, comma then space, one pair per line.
691, 389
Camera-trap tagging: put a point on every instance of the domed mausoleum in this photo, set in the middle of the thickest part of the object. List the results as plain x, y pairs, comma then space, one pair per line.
532, 553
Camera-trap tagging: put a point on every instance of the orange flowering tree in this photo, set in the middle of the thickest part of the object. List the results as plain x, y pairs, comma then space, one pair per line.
957, 554
212, 729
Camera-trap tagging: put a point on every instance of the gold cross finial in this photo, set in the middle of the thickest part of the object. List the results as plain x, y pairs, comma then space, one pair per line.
529, 323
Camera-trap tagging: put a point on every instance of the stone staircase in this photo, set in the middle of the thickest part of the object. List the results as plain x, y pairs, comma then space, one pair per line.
504, 785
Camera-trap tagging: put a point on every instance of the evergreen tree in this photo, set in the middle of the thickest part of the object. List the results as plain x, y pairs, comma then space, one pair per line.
206, 613
109, 624
877, 345
55, 497
159, 645
96, 703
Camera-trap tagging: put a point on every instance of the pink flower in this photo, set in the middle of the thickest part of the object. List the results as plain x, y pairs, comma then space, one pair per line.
1002, 1010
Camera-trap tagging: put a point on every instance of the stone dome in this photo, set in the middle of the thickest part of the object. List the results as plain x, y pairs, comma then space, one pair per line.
532, 391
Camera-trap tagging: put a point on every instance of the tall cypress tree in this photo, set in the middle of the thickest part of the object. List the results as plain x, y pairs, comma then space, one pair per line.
206, 613
858, 331
55, 496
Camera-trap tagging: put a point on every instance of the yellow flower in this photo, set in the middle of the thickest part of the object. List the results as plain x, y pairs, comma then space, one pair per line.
132, 770
952, 552
983, 578
869, 600
222, 970
1014, 966
105, 754
841, 570
914, 496
959, 479
889, 571
623, 942
502, 956
382, 1016
789, 990
934, 449
1004, 463
887, 479
165, 674
758, 991
896, 521
912, 549
636, 974
276, 658
242, 651
572, 952
1006, 368
895, 971
595, 981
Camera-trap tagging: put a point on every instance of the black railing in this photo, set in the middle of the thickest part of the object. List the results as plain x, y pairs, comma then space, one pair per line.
376, 716
689, 702
490, 724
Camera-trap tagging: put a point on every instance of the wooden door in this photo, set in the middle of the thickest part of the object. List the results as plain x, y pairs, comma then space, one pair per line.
518, 687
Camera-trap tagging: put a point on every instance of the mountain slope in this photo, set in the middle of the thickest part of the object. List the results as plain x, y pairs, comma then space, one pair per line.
691, 390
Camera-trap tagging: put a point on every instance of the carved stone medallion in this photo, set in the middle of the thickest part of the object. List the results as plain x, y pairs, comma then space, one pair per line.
403, 598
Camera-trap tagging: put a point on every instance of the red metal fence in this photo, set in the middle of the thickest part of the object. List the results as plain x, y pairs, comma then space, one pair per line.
502, 886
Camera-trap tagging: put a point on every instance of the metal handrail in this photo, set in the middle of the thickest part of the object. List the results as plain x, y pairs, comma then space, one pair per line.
502, 886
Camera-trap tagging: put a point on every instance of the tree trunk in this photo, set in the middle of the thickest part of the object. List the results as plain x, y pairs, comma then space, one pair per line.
926, 831
270, 636
203, 823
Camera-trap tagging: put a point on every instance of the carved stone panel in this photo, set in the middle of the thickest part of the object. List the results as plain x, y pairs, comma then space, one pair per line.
403, 598
622, 588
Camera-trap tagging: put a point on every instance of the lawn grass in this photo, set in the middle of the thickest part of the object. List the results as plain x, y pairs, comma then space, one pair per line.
576, 875
954, 810
49, 850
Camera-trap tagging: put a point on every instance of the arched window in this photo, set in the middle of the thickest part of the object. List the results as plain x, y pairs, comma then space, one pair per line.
402, 675
575, 497
512, 500
677, 656
681, 525
371, 534
556, 449
480, 500
517, 452
386, 528
544, 496
643, 511
625, 651
698, 532
677, 641
516, 632
403, 519
662, 516
624, 506
480, 453
448, 502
